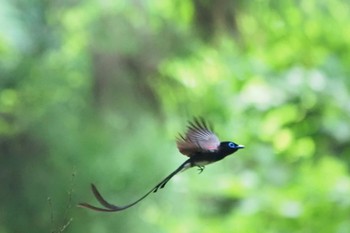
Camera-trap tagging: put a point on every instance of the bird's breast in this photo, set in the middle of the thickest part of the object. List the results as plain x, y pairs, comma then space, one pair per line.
202, 163
202, 159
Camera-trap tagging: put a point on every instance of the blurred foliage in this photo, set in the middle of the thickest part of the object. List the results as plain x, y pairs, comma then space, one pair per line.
96, 91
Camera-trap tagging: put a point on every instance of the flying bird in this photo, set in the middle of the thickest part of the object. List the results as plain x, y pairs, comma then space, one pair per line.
199, 143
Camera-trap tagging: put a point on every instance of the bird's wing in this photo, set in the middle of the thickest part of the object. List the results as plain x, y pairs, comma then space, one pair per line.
199, 138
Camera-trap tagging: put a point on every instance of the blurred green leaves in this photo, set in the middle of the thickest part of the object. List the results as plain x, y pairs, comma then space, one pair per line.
102, 88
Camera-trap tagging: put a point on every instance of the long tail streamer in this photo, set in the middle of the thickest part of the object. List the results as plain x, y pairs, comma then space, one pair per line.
113, 208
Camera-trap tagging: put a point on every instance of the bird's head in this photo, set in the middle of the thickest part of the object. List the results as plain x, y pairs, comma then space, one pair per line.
229, 147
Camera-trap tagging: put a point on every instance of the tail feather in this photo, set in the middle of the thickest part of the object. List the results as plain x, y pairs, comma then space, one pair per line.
114, 208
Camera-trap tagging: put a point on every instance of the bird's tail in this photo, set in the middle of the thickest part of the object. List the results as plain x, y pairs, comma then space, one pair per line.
108, 207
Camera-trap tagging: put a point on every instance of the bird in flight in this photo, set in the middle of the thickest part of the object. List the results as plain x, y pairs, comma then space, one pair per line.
199, 143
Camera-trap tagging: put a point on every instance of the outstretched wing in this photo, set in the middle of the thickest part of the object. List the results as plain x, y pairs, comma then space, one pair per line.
199, 138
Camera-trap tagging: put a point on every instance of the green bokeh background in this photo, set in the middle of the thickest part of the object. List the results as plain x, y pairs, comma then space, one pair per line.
96, 91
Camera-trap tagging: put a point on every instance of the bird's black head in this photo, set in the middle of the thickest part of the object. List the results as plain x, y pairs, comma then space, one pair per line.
228, 148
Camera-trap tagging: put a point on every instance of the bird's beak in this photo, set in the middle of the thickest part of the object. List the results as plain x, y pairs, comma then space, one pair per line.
240, 146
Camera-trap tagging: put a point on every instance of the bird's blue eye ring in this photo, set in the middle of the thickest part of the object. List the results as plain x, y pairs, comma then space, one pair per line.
231, 145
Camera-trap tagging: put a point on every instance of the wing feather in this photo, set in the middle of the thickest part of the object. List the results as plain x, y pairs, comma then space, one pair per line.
198, 138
